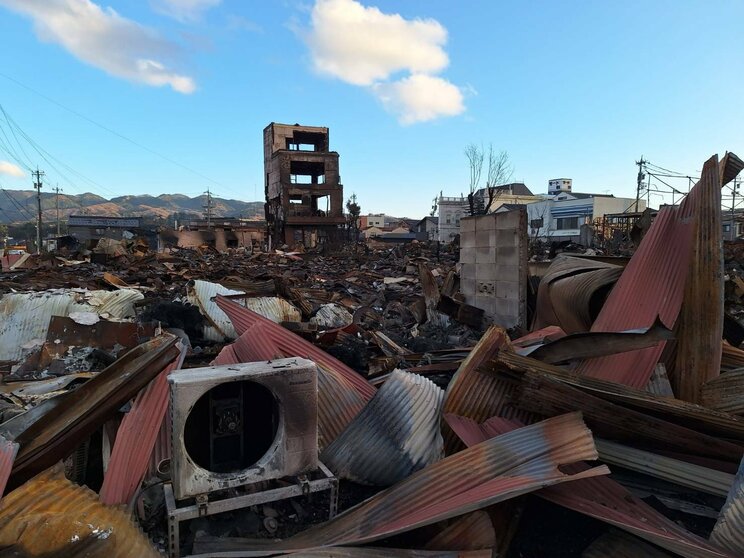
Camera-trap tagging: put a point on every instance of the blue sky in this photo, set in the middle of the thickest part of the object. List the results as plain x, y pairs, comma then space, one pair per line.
569, 89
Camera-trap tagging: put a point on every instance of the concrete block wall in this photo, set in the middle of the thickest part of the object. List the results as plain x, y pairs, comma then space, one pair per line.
493, 258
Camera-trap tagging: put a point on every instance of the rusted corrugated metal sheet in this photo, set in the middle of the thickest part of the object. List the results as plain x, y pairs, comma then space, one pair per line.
602, 498
726, 393
548, 396
732, 358
136, 437
496, 470
672, 470
51, 516
25, 317
53, 435
220, 328
479, 394
472, 531
728, 531
8, 451
396, 434
293, 345
651, 287
700, 324
701, 419
544, 335
568, 289
338, 400
598, 343
617, 544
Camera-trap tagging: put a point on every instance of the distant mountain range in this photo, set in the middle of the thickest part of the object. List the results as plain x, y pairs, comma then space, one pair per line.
19, 206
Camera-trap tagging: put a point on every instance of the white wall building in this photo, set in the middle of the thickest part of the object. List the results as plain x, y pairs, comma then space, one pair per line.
561, 216
451, 210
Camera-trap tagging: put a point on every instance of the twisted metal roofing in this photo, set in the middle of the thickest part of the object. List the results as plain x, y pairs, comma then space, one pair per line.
396, 434
51, 516
136, 438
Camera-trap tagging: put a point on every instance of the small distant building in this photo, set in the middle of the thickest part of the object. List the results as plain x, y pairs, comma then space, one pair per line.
91, 227
375, 220
429, 226
451, 210
562, 215
220, 233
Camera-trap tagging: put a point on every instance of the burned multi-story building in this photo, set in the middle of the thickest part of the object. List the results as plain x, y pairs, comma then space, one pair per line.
304, 195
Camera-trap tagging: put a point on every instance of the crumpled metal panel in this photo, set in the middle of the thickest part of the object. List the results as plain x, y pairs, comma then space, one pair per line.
728, 531
732, 358
136, 438
8, 451
396, 434
568, 291
496, 470
601, 498
332, 316
725, 393
338, 400
616, 544
51, 516
476, 393
700, 323
52, 435
651, 286
220, 328
293, 345
472, 531
25, 316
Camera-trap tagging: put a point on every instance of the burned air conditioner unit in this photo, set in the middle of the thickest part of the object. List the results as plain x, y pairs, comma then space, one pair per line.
241, 424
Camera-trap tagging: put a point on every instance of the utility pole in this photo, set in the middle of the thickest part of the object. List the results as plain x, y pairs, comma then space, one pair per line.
734, 187
38, 174
56, 190
639, 183
208, 207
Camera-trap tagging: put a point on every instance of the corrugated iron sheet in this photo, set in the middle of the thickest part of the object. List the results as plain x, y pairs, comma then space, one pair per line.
51, 516
700, 323
136, 438
616, 544
728, 531
8, 451
598, 343
472, 531
548, 396
51, 436
479, 394
678, 472
697, 417
568, 289
601, 498
396, 434
24, 317
220, 328
651, 286
338, 400
293, 345
726, 393
732, 358
496, 470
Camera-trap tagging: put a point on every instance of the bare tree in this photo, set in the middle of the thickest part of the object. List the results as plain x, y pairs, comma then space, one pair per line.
475, 155
499, 171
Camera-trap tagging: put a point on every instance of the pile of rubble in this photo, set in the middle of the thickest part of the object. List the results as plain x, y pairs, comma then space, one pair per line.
613, 427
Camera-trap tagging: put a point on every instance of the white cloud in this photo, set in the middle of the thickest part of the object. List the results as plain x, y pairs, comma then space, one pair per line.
420, 97
10, 169
104, 39
184, 10
366, 47
362, 45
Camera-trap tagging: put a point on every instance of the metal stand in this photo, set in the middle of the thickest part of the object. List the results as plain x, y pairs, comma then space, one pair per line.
204, 507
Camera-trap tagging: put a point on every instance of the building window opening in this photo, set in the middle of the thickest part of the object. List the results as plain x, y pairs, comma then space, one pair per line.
567, 223
306, 172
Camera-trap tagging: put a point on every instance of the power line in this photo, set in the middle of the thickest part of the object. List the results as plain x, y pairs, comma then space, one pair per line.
111, 131
18, 206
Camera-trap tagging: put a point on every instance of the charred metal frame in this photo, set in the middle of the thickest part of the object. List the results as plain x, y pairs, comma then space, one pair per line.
203, 506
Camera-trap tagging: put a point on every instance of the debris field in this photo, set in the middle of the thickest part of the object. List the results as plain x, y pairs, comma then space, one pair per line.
349, 402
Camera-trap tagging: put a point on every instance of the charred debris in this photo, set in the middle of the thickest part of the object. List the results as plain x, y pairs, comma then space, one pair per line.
404, 401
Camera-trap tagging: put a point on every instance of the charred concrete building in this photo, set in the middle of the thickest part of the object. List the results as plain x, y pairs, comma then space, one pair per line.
304, 195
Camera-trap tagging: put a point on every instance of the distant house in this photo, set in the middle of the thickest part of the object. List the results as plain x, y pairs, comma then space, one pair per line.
451, 210
429, 226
